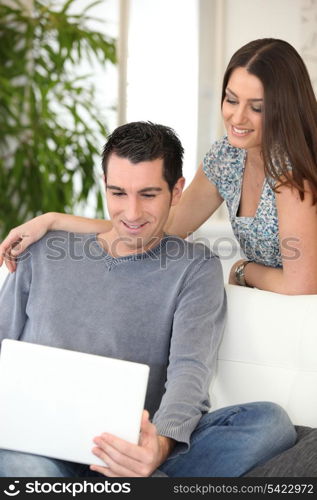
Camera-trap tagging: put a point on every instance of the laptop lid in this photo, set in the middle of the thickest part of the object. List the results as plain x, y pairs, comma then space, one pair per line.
53, 401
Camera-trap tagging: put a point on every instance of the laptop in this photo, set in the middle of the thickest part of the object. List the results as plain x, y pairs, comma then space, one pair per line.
54, 401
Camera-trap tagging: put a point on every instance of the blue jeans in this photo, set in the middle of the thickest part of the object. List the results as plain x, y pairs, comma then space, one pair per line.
226, 443
231, 441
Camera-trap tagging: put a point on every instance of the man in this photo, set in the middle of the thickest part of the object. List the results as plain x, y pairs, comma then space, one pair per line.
140, 295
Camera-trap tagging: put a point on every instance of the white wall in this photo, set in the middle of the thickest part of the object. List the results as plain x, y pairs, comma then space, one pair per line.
247, 20
163, 68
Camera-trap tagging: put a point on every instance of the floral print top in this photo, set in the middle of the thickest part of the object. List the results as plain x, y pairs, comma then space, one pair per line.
258, 236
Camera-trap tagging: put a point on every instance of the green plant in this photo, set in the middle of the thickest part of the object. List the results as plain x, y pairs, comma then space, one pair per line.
51, 125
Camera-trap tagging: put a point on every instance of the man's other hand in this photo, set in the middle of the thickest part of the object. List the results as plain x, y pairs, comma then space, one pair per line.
124, 459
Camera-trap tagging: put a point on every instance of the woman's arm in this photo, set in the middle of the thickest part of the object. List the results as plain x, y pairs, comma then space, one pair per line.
298, 243
198, 202
23, 236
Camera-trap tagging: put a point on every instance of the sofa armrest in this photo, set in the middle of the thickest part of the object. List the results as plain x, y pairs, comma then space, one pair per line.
269, 353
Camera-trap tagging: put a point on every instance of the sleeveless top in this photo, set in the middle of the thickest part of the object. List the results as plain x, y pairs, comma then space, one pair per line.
258, 236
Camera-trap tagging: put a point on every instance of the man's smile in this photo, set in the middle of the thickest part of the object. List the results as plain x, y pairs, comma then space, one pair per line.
133, 227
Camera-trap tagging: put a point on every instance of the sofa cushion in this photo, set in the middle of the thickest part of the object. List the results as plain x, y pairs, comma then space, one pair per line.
268, 353
298, 461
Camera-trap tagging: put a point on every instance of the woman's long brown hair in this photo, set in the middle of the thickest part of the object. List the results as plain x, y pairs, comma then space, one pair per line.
289, 114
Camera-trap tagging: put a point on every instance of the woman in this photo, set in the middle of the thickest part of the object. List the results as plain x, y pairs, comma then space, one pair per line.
265, 169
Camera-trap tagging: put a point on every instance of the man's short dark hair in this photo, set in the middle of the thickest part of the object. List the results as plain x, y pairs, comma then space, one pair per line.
147, 141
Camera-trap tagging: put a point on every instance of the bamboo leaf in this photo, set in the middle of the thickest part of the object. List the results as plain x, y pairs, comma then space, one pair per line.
91, 5
66, 6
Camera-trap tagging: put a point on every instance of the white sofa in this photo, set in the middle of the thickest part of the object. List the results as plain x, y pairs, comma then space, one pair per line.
269, 353
269, 348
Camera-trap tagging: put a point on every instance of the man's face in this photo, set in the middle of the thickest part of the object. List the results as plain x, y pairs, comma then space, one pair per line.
139, 202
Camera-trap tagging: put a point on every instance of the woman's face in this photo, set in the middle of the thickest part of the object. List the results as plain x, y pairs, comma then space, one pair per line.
242, 110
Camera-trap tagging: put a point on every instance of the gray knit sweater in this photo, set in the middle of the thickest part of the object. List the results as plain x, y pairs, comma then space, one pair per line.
165, 308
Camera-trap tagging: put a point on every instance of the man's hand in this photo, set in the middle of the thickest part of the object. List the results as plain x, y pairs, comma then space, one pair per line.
125, 459
21, 237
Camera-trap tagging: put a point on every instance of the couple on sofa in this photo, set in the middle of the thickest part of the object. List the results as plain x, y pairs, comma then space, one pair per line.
271, 206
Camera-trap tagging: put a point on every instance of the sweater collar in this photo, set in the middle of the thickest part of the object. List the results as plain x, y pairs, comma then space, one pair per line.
112, 261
